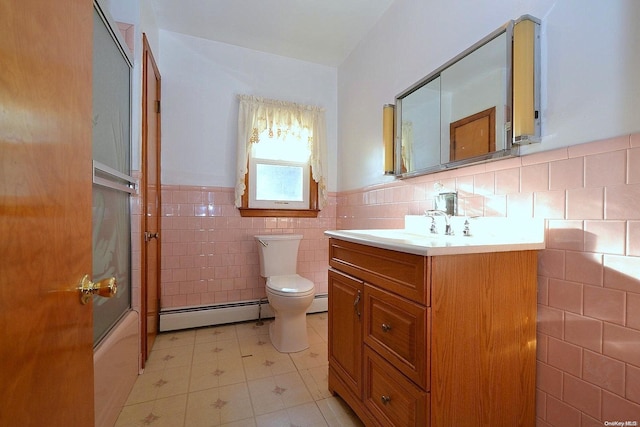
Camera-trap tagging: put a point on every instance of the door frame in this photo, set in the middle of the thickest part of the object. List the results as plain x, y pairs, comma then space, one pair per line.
147, 55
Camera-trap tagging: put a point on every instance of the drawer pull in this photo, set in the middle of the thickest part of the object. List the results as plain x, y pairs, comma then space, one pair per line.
385, 399
386, 327
355, 304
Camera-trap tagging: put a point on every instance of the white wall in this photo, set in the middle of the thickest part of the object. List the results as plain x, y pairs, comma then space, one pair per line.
590, 64
200, 82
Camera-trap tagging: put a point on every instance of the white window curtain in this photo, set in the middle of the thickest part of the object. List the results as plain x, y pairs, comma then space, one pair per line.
407, 146
256, 115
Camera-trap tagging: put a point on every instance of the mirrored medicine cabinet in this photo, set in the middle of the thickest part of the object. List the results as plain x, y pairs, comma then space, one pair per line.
480, 106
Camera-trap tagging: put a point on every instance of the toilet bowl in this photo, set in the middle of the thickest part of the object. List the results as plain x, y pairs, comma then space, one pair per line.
289, 294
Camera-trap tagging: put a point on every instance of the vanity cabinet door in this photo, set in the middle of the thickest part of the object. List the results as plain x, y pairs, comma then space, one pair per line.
390, 397
345, 329
397, 329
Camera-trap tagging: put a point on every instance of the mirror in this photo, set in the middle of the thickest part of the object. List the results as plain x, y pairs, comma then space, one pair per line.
461, 113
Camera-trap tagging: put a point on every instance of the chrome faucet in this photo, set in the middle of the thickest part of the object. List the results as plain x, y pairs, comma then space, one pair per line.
447, 227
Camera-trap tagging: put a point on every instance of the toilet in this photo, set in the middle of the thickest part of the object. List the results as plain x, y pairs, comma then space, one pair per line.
289, 294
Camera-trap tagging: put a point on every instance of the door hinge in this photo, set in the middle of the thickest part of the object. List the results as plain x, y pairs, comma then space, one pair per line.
158, 106
148, 236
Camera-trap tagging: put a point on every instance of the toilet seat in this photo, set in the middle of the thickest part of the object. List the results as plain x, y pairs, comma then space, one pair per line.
290, 285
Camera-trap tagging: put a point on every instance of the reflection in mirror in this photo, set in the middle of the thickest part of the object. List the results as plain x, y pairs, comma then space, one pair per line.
420, 129
462, 112
474, 99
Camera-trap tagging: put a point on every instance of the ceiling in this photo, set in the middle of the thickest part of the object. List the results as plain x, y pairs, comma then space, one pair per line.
319, 31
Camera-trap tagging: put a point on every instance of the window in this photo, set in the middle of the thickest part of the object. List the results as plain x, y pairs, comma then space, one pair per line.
279, 174
280, 148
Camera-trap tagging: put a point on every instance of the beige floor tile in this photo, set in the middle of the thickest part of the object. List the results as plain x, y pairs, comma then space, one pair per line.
216, 374
318, 321
337, 413
266, 363
316, 355
159, 384
253, 344
324, 334
209, 352
167, 412
136, 414
249, 422
216, 333
278, 392
252, 328
231, 375
307, 415
314, 337
169, 357
173, 381
174, 339
316, 380
217, 406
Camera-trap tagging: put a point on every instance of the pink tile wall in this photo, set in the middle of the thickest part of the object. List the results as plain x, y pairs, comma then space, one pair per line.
588, 276
209, 254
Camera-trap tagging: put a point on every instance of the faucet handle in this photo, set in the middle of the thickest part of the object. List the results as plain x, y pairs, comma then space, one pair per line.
467, 230
433, 228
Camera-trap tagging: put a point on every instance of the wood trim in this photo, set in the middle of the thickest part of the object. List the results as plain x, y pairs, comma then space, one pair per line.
296, 213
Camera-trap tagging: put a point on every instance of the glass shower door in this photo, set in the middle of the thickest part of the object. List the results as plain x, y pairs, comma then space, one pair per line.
112, 181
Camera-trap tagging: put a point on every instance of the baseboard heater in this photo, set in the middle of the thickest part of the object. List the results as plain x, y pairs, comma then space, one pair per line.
220, 314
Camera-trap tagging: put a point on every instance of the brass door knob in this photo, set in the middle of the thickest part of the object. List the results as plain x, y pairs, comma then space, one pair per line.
106, 288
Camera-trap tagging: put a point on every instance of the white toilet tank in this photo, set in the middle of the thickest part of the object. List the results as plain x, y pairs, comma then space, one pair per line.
278, 254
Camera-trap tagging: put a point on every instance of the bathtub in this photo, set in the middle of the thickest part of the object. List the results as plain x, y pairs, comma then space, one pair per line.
116, 367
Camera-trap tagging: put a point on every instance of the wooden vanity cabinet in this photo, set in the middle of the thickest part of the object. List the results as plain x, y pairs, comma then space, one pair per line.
433, 341
345, 328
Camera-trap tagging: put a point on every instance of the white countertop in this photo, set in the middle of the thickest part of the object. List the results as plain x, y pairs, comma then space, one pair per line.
487, 235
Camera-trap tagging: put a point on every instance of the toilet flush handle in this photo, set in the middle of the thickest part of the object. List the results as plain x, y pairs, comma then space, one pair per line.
263, 243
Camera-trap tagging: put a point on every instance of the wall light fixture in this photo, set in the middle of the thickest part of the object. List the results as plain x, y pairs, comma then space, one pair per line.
388, 133
526, 80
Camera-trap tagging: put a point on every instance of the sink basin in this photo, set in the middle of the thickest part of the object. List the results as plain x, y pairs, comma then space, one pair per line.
493, 235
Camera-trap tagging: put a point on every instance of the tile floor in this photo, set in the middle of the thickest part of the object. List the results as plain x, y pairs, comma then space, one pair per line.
231, 375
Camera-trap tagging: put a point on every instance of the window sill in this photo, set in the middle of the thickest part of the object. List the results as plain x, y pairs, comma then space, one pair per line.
296, 213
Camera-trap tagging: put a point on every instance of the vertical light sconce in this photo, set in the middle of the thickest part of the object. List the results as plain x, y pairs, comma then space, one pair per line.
388, 133
526, 80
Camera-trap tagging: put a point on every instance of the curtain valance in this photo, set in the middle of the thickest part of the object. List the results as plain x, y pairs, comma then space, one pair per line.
281, 118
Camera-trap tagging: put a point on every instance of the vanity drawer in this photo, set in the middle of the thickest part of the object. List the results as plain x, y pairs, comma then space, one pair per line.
402, 273
391, 398
398, 330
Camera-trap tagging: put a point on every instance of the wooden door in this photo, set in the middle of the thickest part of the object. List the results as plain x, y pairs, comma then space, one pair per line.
151, 200
474, 135
345, 328
46, 334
